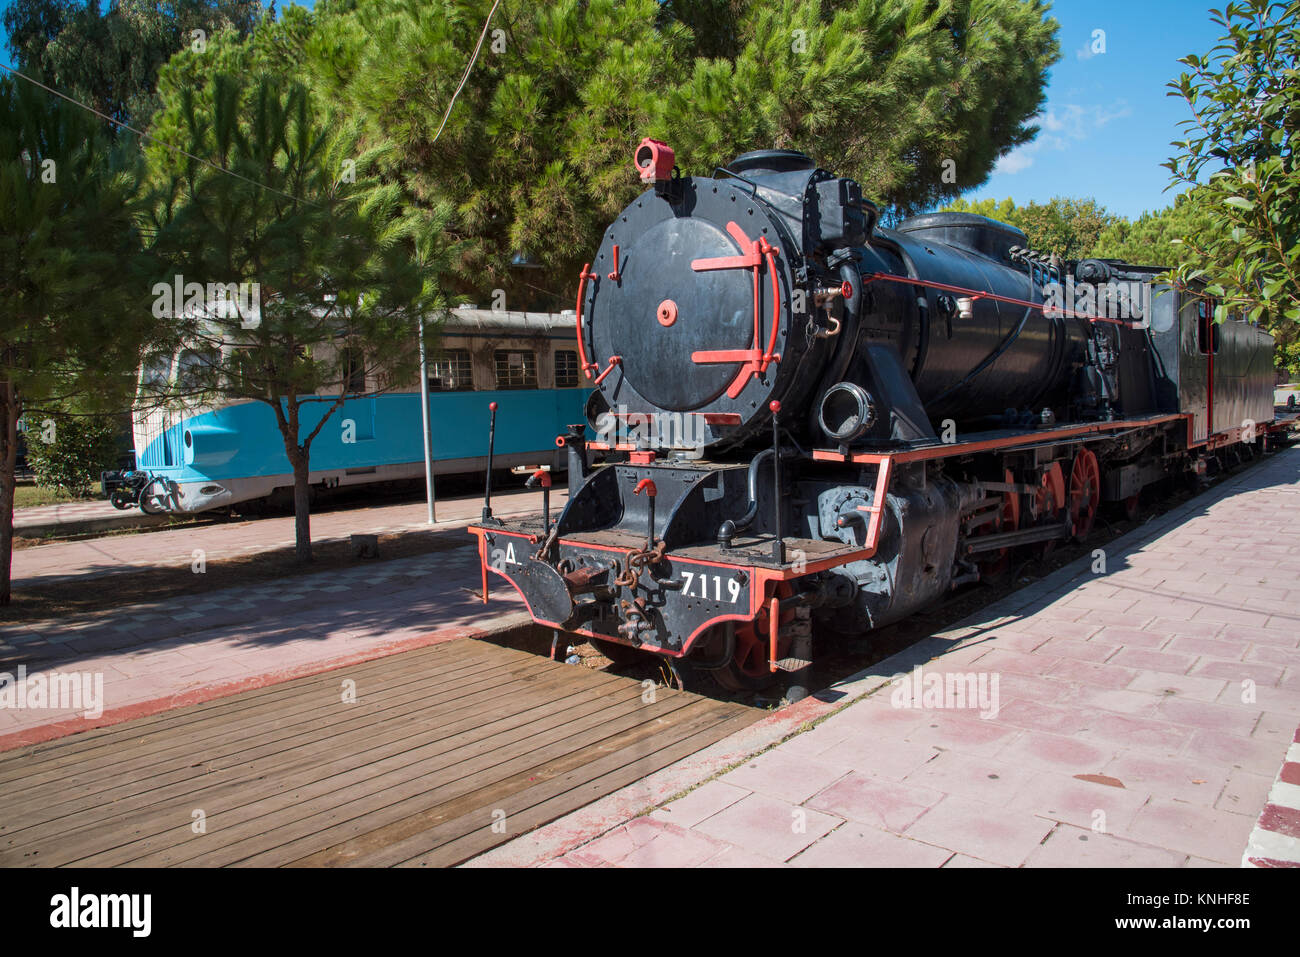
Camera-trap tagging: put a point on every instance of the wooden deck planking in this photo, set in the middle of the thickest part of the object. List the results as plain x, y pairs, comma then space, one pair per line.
439, 739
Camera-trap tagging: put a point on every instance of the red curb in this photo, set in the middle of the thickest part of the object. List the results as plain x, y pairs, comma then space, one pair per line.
1280, 820
1277, 819
141, 709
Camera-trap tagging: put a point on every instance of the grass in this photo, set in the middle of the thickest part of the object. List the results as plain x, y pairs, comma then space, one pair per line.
26, 496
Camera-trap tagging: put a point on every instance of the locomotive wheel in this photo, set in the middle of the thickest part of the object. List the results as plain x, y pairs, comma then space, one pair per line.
1085, 493
748, 669
1049, 500
1131, 506
996, 564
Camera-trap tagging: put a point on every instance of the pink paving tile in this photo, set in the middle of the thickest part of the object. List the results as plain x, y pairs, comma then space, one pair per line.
1180, 778
993, 834
768, 827
1058, 610
1035, 688
1238, 671
1134, 731
1273, 654
785, 777
1077, 847
1266, 636
1016, 662
1112, 603
853, 845
1213, 717
735, 857
705, 801
1202, 831
1220, 647
1081, 800
876, 801
674, 847
959, 861
1119, 700
1108, 675
876, 715
1275, 726
1181, 686
1032, 716
961, 731
623, 840
884, 756
1230, 614
974, 776
1147, 660
1098, 650
1039, 629
1245, 793
1055, 752
1190, 627
1231, 751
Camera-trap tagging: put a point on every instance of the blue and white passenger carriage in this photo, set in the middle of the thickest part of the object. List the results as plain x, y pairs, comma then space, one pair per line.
203, 456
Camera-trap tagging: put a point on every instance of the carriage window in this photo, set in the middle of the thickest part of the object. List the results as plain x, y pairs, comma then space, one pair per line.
157, 373
515, 369
1207, 330
354, 371
451, 372
194, 369
566, 369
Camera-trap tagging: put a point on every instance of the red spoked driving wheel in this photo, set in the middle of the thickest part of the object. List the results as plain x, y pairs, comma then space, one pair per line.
1085, 493
994, 564
748, 669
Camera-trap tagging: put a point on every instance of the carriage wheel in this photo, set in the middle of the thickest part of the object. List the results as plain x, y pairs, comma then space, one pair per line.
151, 502
1085, 493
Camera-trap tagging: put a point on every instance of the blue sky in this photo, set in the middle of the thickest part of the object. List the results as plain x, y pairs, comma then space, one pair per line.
1107, 123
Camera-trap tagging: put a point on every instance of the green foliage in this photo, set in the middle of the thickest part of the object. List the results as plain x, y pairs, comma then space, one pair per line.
916, 99
109, 57
1155, 238
1070, 228
83, 447
68, 325
1241, 148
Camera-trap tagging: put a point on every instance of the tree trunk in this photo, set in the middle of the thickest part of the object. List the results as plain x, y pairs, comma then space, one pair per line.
301, 508
8, 482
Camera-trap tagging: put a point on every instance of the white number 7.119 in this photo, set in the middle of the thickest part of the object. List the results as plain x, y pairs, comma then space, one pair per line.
703, 585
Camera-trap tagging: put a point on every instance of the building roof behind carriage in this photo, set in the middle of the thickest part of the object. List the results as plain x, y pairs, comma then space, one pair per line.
472, 319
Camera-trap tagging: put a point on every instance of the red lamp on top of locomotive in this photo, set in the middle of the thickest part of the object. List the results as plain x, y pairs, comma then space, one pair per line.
654, 160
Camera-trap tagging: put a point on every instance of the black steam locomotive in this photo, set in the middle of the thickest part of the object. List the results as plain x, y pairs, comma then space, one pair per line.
801, 416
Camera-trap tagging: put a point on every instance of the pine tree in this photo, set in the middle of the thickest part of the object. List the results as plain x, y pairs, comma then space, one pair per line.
71, 322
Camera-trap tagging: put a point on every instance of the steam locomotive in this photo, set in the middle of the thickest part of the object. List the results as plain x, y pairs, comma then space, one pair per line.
802, 417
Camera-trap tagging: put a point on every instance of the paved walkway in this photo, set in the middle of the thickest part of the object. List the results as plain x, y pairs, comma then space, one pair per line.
62, 561
1139, 719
